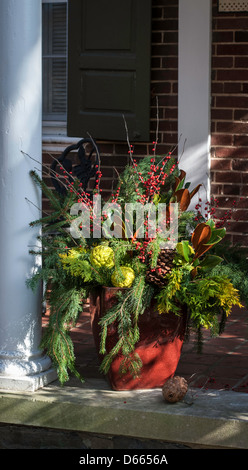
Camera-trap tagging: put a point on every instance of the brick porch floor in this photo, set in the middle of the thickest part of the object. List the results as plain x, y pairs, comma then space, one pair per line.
223, 365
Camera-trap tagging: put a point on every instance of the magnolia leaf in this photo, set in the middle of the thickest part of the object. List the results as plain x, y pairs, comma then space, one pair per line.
184, 249
182, 175
180, 185
201, 235
216, 236
211, 223
179, 180
195, 190
202, 249
196, 263
210, 261
183, 198
214, 239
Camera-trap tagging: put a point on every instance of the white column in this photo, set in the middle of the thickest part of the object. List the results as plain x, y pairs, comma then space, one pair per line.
194, 91
23, 366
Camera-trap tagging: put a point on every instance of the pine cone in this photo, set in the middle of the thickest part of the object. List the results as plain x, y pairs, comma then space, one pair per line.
175, 389
164, 266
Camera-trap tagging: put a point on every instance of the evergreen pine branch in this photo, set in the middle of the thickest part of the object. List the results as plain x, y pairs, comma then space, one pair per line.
60, 218
125, 315
65, 306
131, 364
53, 198
108, 358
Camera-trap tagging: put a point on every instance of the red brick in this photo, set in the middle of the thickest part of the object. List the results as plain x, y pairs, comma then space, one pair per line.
219, 212
240, 239
221, 114
171, 37
240, 165
232, 49
175, 87
171, 113
232, 101
231, 189
222, 36
240, 140
221, 139
232, 152
227, 176
170, 62
241, 36
161, 88
162, 74
157, 12
171, 9
244, 191
166, 25
114, 160
47, 158
217, 88
155, 63
232, 127
157, 37
226, 202
162, 148
216, 188
241, 62
105, 148
232, 75
231, 22
164, 50
233, 87
168, 101
221, 164
222, 62
241, 214
245, 178
241, 115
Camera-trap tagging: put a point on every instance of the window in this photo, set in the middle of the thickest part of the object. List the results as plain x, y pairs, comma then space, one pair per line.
54, 60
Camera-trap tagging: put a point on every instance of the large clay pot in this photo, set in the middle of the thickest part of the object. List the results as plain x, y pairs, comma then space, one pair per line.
159, 347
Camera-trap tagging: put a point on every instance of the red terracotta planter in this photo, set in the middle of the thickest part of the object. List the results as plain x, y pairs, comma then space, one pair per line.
159, 347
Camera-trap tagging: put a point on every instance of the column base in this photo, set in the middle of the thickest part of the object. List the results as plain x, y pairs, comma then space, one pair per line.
28, 383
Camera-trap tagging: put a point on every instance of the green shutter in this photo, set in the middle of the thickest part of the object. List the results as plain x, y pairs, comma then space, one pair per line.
109, 46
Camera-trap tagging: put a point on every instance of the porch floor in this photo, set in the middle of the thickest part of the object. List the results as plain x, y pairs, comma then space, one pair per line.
213, 414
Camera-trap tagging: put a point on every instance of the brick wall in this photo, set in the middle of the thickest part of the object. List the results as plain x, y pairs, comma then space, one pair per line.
229, 116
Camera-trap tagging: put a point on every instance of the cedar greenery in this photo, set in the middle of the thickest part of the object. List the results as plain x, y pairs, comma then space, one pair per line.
197, 281
125, 313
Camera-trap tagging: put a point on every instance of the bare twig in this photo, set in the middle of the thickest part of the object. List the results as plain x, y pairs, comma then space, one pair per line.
157, 128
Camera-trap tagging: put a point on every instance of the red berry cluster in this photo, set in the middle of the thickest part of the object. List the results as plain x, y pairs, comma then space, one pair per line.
151, 185
147, 187
209, 211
